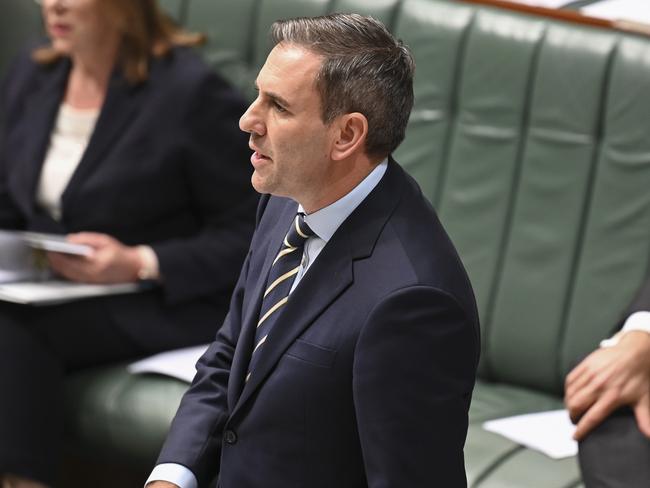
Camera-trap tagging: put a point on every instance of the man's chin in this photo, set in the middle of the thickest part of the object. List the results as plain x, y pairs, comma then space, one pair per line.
261, 184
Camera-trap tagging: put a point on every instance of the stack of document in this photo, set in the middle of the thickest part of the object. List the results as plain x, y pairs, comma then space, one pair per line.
26, 279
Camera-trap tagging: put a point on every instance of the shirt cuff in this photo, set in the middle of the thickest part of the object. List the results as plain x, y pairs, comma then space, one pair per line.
173, 473
638, 321
150, 269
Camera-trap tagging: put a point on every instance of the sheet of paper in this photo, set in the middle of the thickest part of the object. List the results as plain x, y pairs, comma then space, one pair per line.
57, 291
56, 243
548, 432
179, 363
17, 260
634, 10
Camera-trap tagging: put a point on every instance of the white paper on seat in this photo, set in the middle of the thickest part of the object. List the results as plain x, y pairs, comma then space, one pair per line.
634, 10
548, 432
179, 363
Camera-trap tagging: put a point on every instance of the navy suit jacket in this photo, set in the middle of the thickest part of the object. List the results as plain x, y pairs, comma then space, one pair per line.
366, 377
166, 166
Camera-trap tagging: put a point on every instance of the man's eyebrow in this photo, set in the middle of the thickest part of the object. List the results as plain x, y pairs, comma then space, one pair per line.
273, 96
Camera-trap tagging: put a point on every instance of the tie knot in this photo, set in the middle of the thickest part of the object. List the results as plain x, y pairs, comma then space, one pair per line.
298, 233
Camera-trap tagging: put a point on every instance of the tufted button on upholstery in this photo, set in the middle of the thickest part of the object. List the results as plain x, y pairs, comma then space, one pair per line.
230, 437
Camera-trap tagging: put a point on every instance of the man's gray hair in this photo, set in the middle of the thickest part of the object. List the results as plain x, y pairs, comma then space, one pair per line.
365, 69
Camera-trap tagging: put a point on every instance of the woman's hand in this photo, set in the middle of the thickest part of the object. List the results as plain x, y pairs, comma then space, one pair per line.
110, 262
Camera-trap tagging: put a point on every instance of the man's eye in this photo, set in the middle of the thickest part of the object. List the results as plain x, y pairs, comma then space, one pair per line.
279, 107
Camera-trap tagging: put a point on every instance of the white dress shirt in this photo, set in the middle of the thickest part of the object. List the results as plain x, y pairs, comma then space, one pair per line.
324, 223
637, 321
68, 142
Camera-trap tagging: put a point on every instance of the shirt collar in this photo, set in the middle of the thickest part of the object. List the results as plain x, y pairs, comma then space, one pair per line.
327, 220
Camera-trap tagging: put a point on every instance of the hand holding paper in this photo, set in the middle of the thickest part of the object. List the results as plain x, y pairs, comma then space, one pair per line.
110, 262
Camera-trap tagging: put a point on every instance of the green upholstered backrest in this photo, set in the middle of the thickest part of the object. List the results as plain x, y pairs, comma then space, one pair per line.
542, 177
530, 137
20, 21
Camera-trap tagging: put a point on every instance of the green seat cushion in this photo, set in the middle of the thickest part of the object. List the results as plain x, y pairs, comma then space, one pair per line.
494, 461
109, 410
496, 400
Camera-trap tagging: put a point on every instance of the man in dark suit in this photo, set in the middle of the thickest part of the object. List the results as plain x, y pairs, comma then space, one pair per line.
608, 396
353, 365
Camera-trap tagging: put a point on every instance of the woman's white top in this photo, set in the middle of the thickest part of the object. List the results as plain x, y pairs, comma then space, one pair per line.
68, 142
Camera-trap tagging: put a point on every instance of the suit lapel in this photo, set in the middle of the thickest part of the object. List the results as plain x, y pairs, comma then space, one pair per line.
325, 280
328, 277
252, 308
40, 115
120, 106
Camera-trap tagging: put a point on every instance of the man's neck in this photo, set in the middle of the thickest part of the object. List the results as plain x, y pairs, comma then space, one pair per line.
342, 183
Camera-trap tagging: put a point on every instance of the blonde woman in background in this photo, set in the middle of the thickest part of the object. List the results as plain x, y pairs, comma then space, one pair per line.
115, 134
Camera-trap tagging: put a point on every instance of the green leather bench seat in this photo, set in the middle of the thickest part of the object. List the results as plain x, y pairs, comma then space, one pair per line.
530, 137
115, 414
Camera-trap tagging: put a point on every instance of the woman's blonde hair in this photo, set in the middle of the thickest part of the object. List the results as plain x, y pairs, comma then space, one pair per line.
146, 31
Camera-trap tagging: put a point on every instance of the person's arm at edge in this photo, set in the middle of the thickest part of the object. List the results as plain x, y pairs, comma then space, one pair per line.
615, 375
14, 89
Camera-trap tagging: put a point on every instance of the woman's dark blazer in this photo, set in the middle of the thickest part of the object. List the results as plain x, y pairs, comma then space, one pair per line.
166, 166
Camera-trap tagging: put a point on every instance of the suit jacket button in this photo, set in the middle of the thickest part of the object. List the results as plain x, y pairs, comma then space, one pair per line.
230, 437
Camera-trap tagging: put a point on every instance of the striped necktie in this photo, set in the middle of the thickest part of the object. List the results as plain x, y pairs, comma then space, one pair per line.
283, 272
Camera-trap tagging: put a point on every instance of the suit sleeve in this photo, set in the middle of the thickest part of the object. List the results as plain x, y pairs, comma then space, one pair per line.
10, 91
195, 436
216, 165
414, 371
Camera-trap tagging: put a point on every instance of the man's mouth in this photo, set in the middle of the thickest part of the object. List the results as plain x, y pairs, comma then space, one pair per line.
259, 158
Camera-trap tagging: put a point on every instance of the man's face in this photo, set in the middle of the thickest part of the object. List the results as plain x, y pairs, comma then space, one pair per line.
291, 144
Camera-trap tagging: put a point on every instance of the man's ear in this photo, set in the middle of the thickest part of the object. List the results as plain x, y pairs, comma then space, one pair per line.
352, 130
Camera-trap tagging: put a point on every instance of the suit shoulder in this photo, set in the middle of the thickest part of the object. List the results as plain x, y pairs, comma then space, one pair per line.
424, 250
24, 77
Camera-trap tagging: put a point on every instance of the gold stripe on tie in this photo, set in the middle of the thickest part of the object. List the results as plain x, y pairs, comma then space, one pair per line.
286, 275
247, 377
262, 340
284, 252
273, 309
302, 234
286, 242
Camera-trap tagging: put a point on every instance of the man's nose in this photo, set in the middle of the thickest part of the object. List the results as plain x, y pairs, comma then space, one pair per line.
251, 121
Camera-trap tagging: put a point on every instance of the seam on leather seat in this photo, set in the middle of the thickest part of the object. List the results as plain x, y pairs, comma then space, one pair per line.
453, 110
486, 323
493, 467
585, 214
